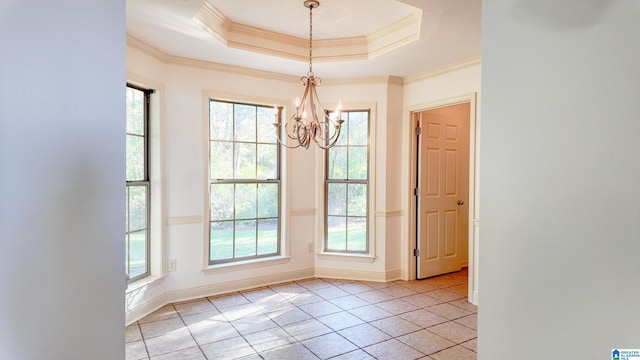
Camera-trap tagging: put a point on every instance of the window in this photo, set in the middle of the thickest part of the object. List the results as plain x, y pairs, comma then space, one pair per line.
137, 185
347, 187
244, 182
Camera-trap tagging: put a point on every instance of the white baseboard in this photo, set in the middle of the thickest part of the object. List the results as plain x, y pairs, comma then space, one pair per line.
237, 285
362, 275
172, 296
474, 298
145, 309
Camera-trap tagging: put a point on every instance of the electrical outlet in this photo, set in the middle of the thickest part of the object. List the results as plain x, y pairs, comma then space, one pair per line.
172, 265
310, 245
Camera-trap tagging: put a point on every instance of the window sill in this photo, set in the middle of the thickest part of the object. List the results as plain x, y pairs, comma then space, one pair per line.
148, 281
245, 265
365, 258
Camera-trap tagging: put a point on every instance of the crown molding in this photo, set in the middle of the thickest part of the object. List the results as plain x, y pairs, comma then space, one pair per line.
148, 49
207, 65
247, 37
391, 80
443, 70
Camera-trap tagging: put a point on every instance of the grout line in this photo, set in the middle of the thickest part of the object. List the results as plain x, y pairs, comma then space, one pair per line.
386, 289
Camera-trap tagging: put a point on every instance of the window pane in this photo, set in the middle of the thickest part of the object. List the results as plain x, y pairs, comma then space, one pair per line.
135, 158
358, 128
135, 111
245, 161
221, 246
221, 160
357, 234
137, 253
267, 236
358, 163
337, 168
245, 238
336, 233
220, 121
337, 199
137, 201
267, 200
222, 202
357, 200
245, 123
267, 161
246, 203
266, 130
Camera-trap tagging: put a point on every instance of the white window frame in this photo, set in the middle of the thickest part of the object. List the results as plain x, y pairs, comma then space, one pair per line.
370, 255
285, 244
156, 158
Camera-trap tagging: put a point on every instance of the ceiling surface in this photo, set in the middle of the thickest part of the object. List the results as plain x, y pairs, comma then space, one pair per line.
403, 37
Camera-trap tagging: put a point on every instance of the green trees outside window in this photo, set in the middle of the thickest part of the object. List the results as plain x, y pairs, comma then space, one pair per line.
244, 188
347, 187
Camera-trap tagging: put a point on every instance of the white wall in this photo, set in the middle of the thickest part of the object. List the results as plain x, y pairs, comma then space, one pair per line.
560, 169
61, 179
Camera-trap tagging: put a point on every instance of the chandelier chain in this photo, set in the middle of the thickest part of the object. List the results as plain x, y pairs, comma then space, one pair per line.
310, 41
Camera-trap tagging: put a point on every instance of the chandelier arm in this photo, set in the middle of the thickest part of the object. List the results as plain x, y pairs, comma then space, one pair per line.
303, 140
335, 139
292, 126
283, 143
326, 122
279, 134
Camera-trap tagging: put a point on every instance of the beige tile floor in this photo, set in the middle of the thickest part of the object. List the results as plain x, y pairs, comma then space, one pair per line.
316, 319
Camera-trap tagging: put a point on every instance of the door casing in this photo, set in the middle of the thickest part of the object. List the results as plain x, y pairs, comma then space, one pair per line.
408, 260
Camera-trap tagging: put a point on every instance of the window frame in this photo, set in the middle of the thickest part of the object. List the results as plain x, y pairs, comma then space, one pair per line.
145, 182
326, 183
278, 180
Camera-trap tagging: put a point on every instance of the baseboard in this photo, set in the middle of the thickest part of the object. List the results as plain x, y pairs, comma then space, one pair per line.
145, 309
361, 275
237, 285
212, 290
474, 298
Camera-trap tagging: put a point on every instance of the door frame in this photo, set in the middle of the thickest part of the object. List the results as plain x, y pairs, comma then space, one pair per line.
409, 174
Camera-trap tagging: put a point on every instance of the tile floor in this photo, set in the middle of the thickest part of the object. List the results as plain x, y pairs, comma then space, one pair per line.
316, 319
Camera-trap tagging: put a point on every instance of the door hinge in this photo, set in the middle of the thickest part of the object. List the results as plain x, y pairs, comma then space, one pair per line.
418, 130
416, 252
416, 192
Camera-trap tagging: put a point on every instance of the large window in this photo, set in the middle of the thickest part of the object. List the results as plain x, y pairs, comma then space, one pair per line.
244, 186
347, 187
137, 186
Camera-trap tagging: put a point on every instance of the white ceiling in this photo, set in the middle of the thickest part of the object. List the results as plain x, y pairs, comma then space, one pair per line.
449, 32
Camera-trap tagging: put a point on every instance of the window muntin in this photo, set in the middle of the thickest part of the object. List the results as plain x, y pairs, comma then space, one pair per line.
244, 182
347, 187
137, 208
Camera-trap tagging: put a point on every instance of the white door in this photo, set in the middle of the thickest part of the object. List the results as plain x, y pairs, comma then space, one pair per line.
443, 178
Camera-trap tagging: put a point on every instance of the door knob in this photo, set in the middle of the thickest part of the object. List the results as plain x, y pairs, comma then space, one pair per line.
460, 202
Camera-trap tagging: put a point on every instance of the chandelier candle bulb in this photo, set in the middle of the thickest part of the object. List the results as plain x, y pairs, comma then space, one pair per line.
276, 112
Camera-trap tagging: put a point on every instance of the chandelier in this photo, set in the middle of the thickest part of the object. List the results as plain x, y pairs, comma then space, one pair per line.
303, 126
